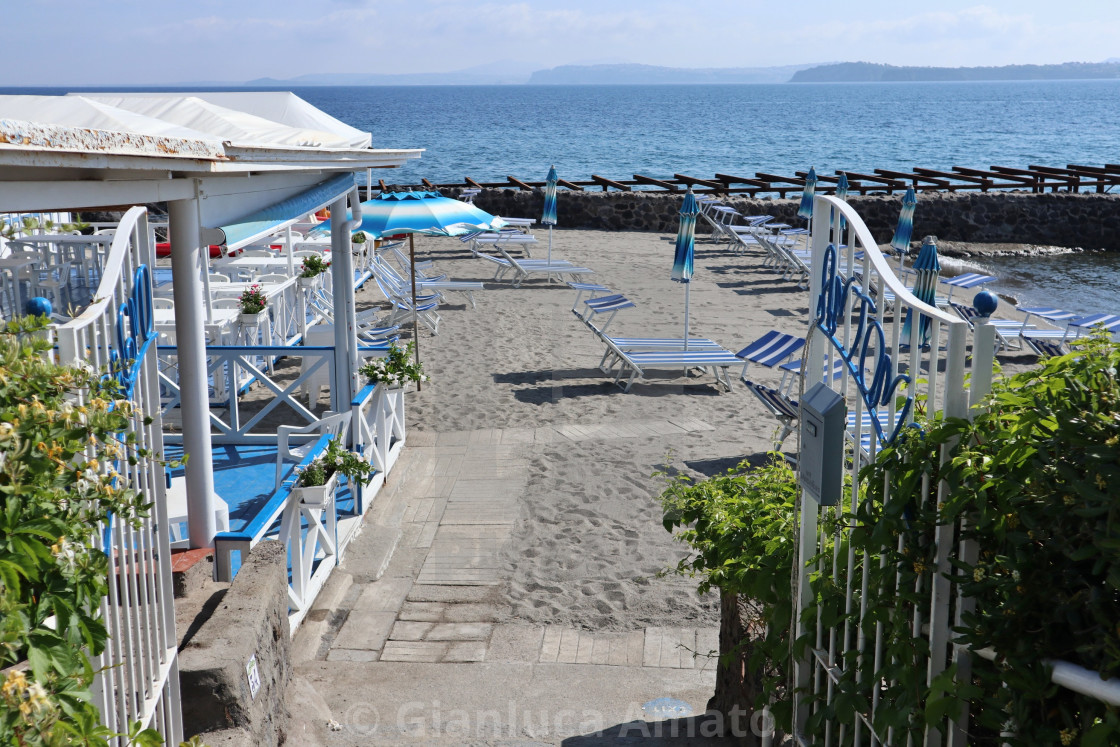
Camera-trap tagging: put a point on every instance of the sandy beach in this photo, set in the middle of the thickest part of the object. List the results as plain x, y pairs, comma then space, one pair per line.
514, 562
588, 546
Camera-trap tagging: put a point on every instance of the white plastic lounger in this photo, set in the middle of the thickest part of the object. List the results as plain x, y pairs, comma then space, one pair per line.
521, 224
637, 363
522, 270
499, 239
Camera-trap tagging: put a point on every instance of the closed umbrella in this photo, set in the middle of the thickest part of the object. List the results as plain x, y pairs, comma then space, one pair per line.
428, 213
548, 217
682, 257
842, 188
927, 268
901, 239
805, 210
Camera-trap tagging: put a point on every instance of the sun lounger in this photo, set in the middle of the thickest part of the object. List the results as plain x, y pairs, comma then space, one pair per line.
771, 349
783, 408
1006, 329
581, 288
636, 364
967, 280
522, 270
497, 239
611, 304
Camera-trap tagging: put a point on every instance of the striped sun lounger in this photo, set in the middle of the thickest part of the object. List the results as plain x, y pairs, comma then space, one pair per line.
637, 363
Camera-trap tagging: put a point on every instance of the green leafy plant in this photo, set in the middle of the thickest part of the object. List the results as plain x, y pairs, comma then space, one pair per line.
58, 485
359, 238
253, 300
740, 526
335, 459
1031, 481
313, 266
396, 368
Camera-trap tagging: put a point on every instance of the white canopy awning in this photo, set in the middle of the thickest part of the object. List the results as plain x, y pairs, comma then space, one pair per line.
278, 106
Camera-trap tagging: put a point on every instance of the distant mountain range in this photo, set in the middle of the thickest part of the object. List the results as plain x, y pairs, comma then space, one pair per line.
653, 74
868, 72
521, 73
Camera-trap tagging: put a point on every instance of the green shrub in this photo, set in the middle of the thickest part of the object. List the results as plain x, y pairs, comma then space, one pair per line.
1034, 480
740, 526
58, 486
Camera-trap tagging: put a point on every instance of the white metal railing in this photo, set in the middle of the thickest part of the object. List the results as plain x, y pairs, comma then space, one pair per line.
138, 675
891, 370
378, 424
232, 367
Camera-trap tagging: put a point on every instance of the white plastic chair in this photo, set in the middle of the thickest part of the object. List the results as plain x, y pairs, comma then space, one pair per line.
334, 424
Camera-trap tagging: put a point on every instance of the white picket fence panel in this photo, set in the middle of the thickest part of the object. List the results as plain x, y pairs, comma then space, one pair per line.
138, 676
852, 321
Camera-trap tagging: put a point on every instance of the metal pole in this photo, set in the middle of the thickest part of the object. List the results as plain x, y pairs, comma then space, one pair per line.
415, 326
550, 243
687, 290
187, 266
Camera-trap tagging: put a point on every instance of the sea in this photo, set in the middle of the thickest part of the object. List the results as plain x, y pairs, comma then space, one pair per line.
490, 132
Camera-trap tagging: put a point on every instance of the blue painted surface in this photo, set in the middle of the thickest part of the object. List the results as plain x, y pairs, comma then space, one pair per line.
244, 477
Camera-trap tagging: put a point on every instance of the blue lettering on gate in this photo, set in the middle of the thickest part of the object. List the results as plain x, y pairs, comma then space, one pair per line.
135, 331
869, 341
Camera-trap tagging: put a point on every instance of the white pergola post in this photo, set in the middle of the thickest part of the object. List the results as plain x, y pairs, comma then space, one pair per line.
345, 332
187, 266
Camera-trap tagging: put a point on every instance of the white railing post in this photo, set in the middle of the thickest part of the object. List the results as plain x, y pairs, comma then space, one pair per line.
187, 266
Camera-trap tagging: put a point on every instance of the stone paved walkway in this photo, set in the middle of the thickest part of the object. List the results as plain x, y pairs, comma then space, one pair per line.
436, 603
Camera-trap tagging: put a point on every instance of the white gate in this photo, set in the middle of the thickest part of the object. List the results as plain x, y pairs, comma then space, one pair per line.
139, 677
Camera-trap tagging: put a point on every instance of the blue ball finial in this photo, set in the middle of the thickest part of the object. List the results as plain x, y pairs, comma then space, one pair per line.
39, 306
985, 303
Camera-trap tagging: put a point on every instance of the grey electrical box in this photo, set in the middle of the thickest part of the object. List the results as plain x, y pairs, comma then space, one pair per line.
824, 416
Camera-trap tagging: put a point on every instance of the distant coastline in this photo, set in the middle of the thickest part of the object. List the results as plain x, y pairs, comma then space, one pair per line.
520, 73
868, 72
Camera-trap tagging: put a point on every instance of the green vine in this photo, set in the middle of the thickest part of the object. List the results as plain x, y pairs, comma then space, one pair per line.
1032, 482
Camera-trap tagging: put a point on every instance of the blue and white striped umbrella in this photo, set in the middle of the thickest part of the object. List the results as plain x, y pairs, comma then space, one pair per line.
429, 213
805, 210
902, 233
682, 257
927, 269
842, 188
686, 239
548, 217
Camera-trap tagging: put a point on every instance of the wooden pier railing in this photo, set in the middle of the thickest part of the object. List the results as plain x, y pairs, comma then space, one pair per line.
1034, 178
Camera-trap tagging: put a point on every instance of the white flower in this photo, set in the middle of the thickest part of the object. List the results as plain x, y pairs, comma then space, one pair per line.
338, 460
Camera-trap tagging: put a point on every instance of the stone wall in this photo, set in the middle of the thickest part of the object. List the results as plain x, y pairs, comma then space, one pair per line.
1088, 221
251, 619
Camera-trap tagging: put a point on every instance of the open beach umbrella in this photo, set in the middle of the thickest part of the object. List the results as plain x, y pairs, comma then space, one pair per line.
805, 210
901, 239
428, 213
682, 257
927, 268
548, 217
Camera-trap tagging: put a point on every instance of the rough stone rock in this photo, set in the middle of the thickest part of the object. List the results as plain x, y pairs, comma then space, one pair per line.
252, 619
1062, 219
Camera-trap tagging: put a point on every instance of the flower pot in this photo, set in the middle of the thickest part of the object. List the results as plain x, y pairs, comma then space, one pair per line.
252, 320
314, 283
316, 495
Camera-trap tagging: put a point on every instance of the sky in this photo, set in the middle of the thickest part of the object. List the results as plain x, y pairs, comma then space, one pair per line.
163, 42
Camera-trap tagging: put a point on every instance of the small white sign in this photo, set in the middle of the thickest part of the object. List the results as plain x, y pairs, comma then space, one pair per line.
254, 676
